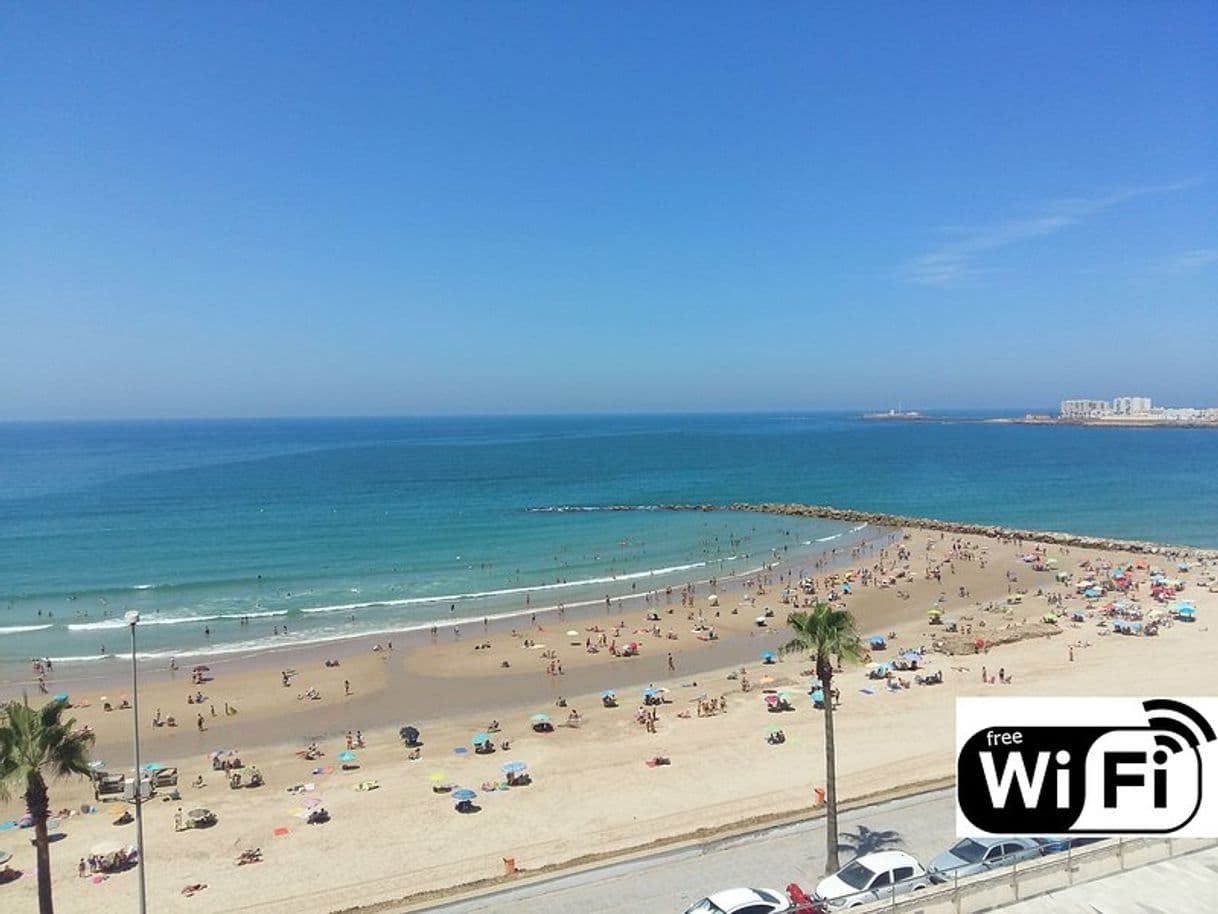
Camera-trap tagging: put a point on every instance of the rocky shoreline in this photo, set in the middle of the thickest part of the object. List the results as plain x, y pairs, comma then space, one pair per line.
930, 523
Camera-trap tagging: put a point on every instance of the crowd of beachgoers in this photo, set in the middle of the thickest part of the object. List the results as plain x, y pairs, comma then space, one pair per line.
318, 783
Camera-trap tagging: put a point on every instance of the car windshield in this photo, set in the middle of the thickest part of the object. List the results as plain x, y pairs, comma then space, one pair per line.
968, 850
856, 875
705, 906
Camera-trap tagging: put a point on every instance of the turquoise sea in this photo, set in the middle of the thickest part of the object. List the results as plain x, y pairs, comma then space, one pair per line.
345, 527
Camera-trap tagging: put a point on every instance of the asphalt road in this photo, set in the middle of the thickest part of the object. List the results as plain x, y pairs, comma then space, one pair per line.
668, 883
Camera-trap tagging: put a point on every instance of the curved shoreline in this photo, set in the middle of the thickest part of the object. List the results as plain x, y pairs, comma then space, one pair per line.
1050, 537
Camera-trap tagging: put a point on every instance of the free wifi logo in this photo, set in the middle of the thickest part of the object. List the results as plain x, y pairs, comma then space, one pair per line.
1106, 766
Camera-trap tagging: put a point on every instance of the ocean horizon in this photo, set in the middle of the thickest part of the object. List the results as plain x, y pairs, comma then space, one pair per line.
231, 536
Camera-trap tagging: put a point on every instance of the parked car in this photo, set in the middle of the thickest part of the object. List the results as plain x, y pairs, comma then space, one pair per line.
969, 856
1058, 845
872, 877
743, 901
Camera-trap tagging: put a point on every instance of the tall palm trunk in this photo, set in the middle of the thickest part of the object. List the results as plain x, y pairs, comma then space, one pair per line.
39, 805
824, 669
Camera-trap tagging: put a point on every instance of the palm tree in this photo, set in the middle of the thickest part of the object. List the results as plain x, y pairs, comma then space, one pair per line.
867, 841
32, 741
823, 632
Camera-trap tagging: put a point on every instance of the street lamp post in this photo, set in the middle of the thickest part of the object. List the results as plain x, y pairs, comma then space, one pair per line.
131, 618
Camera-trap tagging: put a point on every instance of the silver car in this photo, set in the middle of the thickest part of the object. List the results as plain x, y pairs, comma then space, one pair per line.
969, 856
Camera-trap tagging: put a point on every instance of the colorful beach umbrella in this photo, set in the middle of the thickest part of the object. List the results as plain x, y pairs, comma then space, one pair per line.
463, 793
608, 693
540, 718
513, 767
346, 756
480, 738
60, 696
153, 766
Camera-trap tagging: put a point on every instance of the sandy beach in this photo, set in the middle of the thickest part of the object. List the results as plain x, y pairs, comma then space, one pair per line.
592, 791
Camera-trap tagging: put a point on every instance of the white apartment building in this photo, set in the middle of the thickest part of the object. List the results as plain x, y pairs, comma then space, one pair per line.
1131, 406
1085, 409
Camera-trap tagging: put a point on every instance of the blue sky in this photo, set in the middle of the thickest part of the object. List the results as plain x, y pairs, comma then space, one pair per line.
298, 209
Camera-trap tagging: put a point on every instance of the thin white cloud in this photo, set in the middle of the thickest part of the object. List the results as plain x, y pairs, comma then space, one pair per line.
1194, 260
956, 259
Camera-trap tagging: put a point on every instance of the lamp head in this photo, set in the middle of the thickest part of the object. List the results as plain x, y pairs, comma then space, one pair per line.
131, 616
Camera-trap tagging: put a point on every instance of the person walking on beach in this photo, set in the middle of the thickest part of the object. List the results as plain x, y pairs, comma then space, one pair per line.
177, 820
199, 723
671, 665
347, 686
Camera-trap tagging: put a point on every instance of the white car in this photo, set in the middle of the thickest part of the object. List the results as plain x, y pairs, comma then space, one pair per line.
743, 901
872, 877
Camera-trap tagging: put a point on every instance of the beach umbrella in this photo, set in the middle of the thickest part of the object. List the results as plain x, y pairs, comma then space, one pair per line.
648, 693
153, 766
463, 793
201, 669
771, 699
572, 634
767, 656
409, 734
540, 718
5, 856
513, 767
480, 738
770, 731
61, 696
608, 693
346, 756
818, 696
106, 849
934, 613
97, 765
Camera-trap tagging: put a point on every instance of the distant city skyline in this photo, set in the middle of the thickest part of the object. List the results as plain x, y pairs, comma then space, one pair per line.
438, 209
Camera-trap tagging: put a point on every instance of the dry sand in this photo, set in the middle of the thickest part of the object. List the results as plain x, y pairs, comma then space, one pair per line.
592, 791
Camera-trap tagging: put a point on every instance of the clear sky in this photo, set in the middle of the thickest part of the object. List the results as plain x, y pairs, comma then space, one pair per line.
237, 209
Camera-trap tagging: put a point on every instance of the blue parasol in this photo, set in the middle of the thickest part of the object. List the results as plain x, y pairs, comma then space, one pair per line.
513, 767
346, 756
540, 718
463, 793
480, 738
